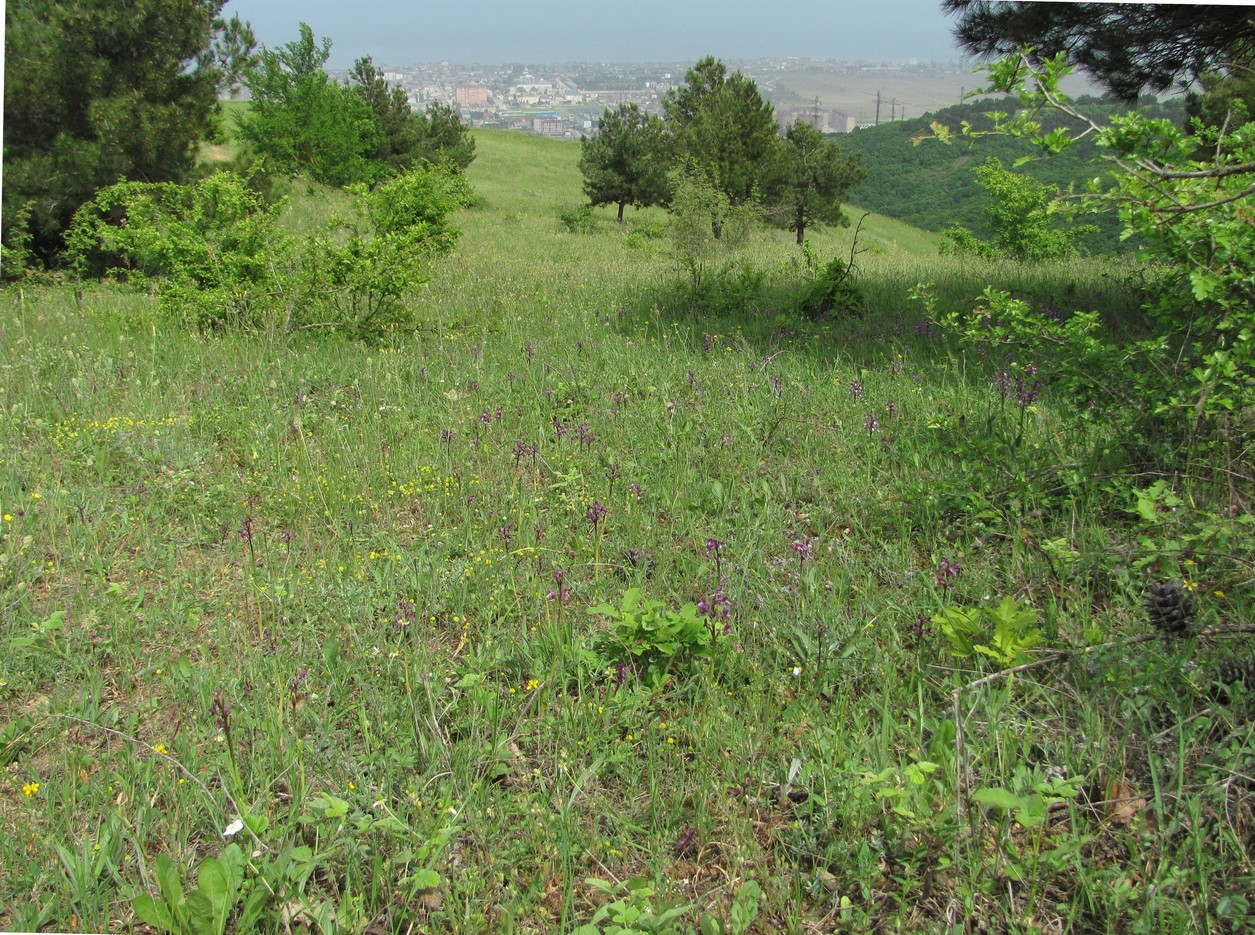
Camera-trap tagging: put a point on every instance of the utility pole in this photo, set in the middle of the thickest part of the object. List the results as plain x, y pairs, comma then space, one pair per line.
877, 108
893, 109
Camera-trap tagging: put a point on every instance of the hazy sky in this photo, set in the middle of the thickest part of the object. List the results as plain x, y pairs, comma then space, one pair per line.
400, 32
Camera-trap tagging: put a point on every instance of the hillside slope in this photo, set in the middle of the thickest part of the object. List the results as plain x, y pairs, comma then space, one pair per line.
932, 185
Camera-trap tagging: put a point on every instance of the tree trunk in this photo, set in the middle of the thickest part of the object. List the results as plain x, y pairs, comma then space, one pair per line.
799, 222
622, 205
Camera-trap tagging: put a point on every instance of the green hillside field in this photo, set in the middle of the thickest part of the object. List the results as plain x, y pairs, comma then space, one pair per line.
589, 607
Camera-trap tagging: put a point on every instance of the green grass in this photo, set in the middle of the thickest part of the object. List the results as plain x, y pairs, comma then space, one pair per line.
341, 590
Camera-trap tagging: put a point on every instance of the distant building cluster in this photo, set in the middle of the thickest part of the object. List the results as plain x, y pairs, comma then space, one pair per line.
565, 101
823, 120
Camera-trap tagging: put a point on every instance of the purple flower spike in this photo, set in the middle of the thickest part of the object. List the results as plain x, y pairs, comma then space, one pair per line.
947, 571
804, 549
595, 513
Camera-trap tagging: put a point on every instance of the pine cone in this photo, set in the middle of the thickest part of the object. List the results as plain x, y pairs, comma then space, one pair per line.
1234, 680
1170, 608
636, 558
1232, 672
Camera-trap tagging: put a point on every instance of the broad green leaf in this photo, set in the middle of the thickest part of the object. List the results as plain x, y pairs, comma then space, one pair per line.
152, 912
425, 880
997, 798
631, 598
330, 805
744, 907
215, 887
1032, 811
710, 925
169, 882
202, 917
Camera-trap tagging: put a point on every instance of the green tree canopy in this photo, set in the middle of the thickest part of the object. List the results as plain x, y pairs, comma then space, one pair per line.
233, 51
95, 91
722, 121
1126, 46
398, 129
300, 120
626, 162
1021, 214
808, 180
435, 137
443, 138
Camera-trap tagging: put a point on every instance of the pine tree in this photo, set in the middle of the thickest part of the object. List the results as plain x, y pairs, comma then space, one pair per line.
95, 91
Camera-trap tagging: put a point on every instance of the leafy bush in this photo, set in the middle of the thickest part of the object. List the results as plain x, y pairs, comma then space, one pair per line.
208, 248
1020, 212
704, 221
17, 257
646, 235
648, 637
578, 219
1186, 194
216, 255
832, 291
369, 264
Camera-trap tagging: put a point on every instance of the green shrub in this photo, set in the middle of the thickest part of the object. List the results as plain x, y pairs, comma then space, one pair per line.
1022, 215
650, 639
208, 248
367, 266
217, 257
578, 220
833, 291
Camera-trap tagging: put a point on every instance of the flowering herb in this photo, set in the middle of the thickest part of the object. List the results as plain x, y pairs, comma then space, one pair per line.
714, 549
522, 449
558, 592
947, 571
916, 632
717, 608
804, 549
405, 615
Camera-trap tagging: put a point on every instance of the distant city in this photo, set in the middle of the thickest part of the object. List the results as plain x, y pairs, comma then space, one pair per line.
565, 100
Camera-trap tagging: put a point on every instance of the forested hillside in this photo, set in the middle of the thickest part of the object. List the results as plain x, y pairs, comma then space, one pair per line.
933, 185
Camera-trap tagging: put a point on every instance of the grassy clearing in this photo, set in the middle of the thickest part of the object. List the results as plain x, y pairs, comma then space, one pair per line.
341, 591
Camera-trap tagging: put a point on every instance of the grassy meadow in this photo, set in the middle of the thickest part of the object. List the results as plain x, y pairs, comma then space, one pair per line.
302, 624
